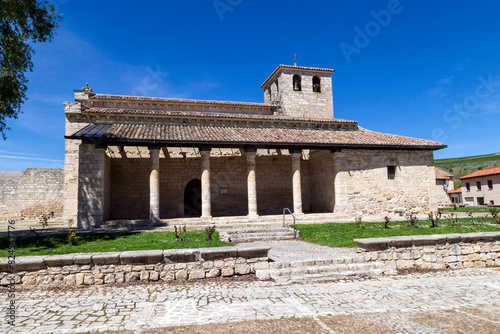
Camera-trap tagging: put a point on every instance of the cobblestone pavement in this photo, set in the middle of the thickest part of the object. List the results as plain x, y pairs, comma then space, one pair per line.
142, 307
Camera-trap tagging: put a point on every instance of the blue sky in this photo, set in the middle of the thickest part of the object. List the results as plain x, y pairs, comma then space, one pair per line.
422, 68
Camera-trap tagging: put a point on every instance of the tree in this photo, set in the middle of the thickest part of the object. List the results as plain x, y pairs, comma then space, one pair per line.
22, 23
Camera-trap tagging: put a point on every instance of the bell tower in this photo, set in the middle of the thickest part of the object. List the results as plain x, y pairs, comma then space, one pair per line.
300, 91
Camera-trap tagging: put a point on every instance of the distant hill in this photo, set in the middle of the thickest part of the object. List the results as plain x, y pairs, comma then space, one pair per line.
466, 165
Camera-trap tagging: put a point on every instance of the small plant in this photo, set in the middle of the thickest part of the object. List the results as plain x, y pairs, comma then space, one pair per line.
44, 221
209, 230
471, 217
483, 219
455, 206
494, 214
412, 219
453, 219
434, 217
72, 238
358, 221
387, 220
178, 232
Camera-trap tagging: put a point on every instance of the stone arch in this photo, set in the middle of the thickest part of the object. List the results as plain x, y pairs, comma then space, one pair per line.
316, 84
297, 83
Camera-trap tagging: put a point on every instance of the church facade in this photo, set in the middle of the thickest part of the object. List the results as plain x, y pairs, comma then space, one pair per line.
153, 159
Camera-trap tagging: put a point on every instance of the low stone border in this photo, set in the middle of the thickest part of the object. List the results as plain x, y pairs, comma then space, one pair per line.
120, 267
441, 251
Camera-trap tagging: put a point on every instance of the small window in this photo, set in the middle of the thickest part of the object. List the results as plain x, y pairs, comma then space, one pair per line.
492, 202
316, 85
467, 186
297, 83
478, 185
490, 184
391, 172
480, 201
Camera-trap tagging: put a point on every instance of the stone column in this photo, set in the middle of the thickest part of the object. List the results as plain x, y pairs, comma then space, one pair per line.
206, 205
251, 182
297, 186
340, 182
154, 185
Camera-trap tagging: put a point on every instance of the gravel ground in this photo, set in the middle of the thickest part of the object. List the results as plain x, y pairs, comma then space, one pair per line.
295, 250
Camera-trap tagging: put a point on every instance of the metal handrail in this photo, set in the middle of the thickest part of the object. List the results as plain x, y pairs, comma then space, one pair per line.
294, 229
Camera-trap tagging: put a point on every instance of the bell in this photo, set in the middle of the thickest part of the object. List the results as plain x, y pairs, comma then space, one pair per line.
296, 85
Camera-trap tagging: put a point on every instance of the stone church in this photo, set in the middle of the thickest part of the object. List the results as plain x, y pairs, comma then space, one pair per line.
154, 159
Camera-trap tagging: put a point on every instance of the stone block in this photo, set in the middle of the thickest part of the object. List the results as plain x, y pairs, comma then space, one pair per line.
372, 244
79, 279
88, 279
197, 274
142, 257
167, 275
181, 275
404, 264
226, 272
59, 260
131, 276
263, 275
109, 279
253, 252
242, 269
261, 265
217, 253
144, 276
429, 240
214, 272
181, 255
106, 258
154, 275
30, 263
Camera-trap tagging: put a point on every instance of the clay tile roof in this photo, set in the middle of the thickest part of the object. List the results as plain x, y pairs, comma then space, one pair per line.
201, 114
484, 172
455, 191
441, 174
202, 134
179, 101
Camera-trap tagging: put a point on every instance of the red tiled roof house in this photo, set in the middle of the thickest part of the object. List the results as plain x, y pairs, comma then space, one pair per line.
152, 159
482, 187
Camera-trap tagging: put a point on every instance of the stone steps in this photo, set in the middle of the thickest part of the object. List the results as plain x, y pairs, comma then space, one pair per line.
322, 270
257, 234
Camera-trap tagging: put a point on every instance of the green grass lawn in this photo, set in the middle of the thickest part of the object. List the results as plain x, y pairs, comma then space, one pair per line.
343, 234
469, 208
107, 242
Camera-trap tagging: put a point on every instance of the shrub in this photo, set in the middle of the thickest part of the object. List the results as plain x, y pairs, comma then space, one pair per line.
209, 230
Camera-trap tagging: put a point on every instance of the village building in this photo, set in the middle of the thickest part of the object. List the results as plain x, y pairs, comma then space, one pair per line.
444, 184
153, 159
481, 187
456, 196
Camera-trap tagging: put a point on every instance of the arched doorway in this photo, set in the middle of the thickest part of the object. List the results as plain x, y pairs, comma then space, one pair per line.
192, 199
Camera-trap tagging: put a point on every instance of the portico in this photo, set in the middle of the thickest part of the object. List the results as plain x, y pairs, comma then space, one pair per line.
154, 159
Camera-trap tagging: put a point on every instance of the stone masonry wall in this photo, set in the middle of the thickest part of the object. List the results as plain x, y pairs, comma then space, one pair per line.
362, 185
322, 187
36, 191
306, 103
455, 251
124, 267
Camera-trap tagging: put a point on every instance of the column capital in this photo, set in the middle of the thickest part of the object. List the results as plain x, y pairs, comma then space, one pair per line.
295, 152
205, 149
154, 148
250, 150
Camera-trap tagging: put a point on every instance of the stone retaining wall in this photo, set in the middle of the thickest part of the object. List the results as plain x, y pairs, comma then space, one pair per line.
34, 192
121, 267
443, 251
